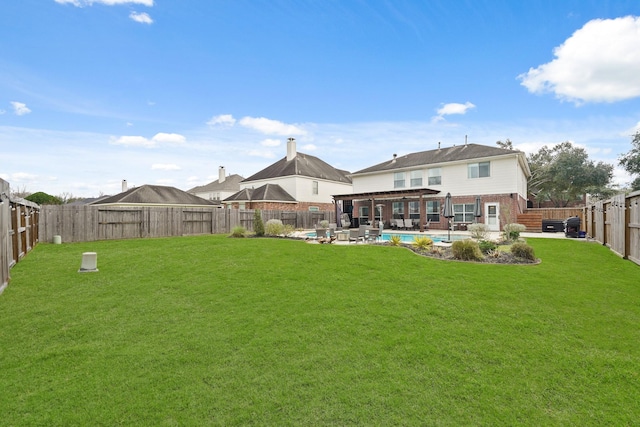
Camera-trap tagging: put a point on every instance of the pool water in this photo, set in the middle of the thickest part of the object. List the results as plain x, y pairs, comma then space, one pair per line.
408, 238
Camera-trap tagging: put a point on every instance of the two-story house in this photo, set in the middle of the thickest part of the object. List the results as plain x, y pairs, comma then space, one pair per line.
414, 186
296, 182
220, 189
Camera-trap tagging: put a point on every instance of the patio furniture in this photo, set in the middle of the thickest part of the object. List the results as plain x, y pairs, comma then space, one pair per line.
373, 235
354, 235
321, 233
408, 224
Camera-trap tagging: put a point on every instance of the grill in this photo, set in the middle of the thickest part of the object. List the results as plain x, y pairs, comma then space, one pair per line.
572, 226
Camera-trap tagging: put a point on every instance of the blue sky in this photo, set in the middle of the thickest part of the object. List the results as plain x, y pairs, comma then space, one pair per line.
165, 91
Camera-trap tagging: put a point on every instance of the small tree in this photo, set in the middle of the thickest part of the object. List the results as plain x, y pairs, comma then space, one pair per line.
258, 225
43, 199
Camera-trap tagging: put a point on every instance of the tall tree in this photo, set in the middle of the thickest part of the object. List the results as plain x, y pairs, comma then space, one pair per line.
505, 144
631, 161
564, 173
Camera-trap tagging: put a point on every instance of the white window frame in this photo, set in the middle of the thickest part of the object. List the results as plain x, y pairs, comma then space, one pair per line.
314, 187
398, 180
416, 178
479, 170
434, 176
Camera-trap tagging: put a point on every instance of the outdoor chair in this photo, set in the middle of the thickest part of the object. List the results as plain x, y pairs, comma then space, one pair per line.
408, 224
373, 235
354, 235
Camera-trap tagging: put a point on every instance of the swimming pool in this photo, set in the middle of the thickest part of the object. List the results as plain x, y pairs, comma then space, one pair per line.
408, 238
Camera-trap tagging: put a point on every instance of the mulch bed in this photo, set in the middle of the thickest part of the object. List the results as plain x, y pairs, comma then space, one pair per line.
446, 253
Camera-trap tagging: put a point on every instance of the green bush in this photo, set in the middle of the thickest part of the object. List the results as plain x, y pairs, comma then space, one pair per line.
512, 232
422, 242
479, 231
324, 224
258, 225
467, 250
522, 250
274, 227
238, 231
487, 246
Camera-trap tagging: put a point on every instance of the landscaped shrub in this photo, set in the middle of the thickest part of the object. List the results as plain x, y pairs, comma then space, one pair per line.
479, 231
324, 224
258, 225
522, 250
467, 250
422, 242
395, 240
238, 231
274, 227
486, 246
512, 232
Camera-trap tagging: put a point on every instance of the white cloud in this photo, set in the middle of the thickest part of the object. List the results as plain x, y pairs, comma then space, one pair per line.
261, 153
309, 147
141, 141
81, 3
169, 138
271, 127
142, 18
222, 120
452, 108
270, 142
19, 108
133, 141
165, 167
599, 63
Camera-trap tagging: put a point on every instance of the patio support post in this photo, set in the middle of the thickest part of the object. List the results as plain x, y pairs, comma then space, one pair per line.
373, 212
422, 208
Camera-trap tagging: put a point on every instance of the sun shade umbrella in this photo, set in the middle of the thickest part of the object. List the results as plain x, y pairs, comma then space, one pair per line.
477, 211
448, 213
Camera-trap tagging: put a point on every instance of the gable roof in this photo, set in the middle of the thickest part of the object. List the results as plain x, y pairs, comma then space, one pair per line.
302, 165
440, 155
231, 183
155, 194
264, 193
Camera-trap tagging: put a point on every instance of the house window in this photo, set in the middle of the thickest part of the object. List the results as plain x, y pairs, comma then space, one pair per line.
478, 170
364, 214
414, 210
398, 180
463, 212
433, 210
435, 176
314, 187
416, 178
314, 209
398, 210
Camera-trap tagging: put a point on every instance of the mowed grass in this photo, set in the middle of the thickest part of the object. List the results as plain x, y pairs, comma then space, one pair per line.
210, 330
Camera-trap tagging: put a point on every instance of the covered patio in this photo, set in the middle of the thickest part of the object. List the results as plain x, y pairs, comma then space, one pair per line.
378, 200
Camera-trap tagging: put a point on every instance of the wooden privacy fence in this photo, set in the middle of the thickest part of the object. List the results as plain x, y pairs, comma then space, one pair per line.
532, 218
18, 230
86, 223
616, 224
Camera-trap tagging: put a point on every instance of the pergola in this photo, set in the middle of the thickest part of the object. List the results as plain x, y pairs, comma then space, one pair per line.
374, 196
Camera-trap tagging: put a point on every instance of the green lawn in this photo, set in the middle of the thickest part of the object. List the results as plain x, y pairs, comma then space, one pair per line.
210, 330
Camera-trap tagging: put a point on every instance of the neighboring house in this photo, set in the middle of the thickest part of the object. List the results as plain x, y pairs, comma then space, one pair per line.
219, 190
414, 186
154, 195
297, 182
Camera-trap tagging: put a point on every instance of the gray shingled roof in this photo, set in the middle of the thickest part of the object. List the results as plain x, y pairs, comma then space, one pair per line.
303, 165
264, 193
155, 194
231, 183
440, 155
